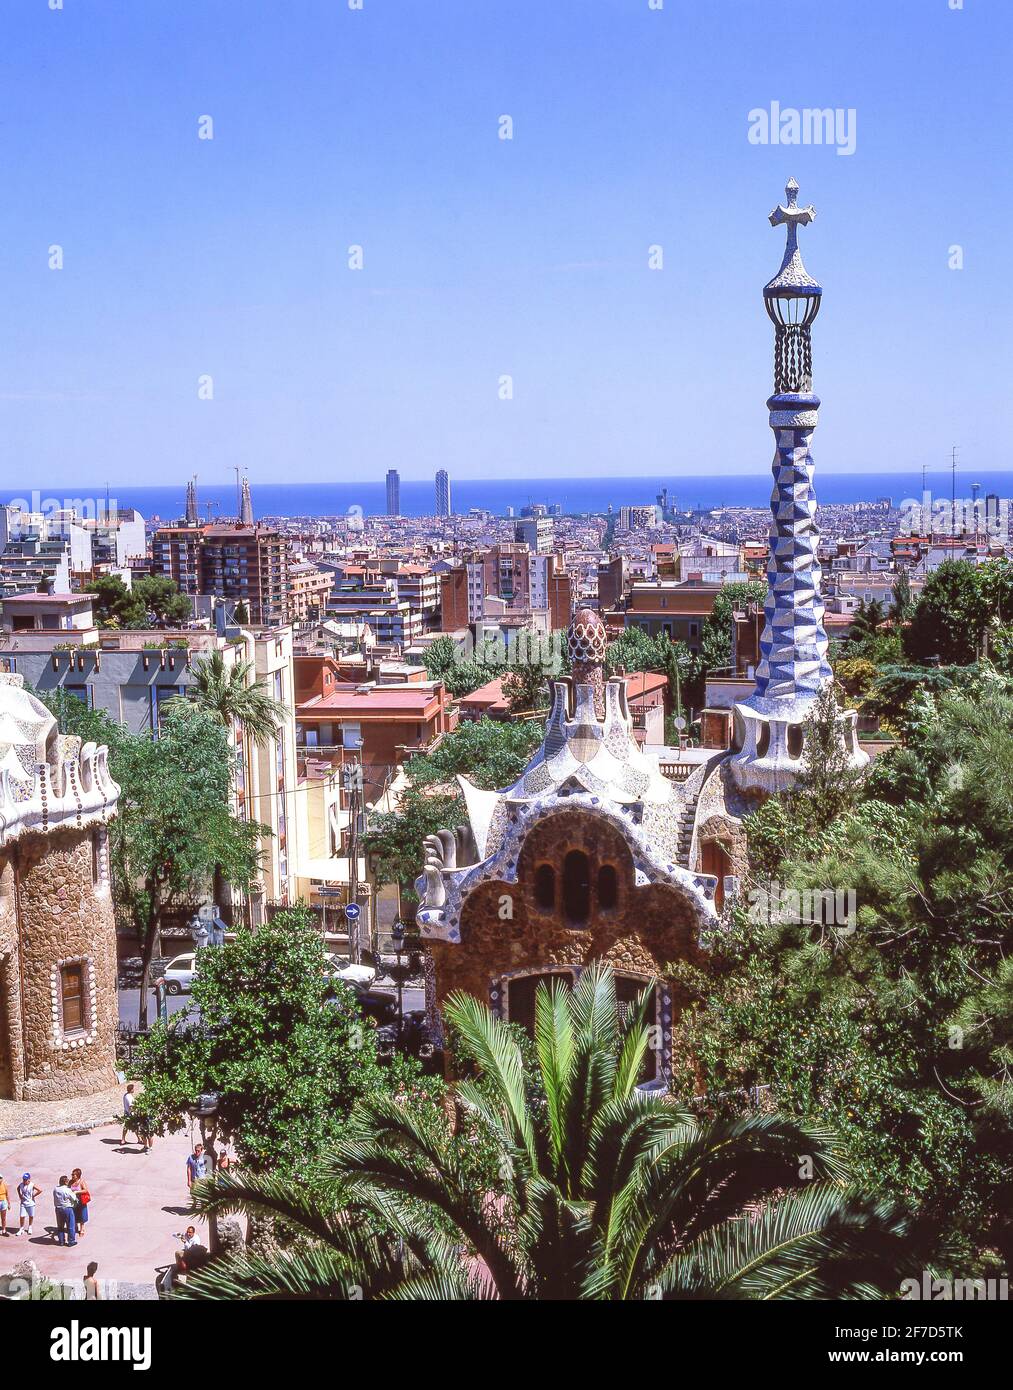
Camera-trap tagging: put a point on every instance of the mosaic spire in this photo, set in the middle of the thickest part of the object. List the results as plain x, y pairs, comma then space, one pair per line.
793, 666
793, 649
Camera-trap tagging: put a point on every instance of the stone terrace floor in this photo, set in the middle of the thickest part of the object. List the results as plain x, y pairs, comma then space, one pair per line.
19, 1118
138, 1202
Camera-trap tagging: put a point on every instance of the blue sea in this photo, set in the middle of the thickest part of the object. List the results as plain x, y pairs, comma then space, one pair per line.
575, 496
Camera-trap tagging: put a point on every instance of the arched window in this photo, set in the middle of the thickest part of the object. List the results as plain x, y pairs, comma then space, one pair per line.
794, 740
608, 888
577, 887
521, 992
763, 740
545, 886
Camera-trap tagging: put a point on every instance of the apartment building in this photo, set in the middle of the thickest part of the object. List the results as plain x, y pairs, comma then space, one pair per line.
248, 564
506, 579
383, 724
676, 609
309, 592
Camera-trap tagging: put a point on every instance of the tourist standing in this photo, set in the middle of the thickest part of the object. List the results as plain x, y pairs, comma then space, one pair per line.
128, 1106
91, 1288
64, 1202
80, 1187
27, 1193
196, 1166
5, 1205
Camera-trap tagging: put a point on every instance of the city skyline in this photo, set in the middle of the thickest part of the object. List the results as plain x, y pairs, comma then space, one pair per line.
271, 350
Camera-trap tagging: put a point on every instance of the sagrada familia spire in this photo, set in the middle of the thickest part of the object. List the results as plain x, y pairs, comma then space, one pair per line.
246, 505
793, 668
192, 516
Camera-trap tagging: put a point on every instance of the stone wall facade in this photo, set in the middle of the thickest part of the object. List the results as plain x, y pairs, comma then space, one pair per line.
56, 912
508, 930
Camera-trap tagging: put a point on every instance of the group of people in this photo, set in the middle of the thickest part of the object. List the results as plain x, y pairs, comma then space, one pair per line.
71, 1200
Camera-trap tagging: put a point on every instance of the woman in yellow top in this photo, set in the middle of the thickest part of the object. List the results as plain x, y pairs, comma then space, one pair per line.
5, 1204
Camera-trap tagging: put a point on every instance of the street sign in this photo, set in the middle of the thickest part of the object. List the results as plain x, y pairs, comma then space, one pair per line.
353, 911
679, 722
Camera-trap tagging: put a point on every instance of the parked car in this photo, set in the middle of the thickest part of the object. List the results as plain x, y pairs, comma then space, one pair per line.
361, 976
178, 974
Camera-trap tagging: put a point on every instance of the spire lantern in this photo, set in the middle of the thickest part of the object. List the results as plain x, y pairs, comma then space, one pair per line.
792, 300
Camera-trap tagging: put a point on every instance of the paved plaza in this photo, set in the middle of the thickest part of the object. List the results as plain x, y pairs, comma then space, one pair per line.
138, 1202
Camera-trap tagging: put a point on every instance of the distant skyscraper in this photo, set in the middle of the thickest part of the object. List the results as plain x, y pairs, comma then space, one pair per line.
192, 516
442, 492
393, 492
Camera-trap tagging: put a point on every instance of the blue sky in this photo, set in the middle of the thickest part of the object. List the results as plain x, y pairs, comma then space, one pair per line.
484, 257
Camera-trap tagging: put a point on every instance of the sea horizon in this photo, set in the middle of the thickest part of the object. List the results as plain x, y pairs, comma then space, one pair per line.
575, 496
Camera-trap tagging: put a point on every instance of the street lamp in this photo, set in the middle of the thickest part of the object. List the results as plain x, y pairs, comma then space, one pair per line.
397, 938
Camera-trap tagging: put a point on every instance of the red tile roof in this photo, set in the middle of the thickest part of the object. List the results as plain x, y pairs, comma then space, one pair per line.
489, 694
347, 702
642, 683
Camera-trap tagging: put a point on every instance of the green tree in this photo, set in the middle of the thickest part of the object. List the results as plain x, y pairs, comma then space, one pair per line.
867, 618
607, 1193
445, 660
611, 1193
526, 683
73, 716
174, 829
114, 605
903, 602
162, 600
716, 639
286, 1053
950, 616
394, 839
490, 752
892, 1025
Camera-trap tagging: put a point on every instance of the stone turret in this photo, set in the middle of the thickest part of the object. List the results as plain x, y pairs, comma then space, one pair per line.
58, 1003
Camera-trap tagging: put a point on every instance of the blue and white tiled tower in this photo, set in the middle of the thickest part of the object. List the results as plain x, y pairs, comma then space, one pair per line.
793, 666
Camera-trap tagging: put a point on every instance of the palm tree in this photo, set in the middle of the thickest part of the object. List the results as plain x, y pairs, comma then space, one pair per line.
606, 1192
334, 1253
234, 696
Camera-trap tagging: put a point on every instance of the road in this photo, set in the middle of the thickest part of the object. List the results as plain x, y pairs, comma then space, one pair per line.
129, 1001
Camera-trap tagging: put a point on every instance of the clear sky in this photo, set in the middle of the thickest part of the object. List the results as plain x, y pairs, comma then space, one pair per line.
485, 257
